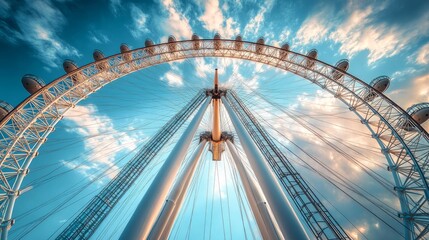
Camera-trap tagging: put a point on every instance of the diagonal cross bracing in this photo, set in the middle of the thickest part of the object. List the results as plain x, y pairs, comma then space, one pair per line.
317, 217
86, 223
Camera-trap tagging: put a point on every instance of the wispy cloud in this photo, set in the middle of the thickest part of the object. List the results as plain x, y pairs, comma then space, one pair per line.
202, 68
139, 25
214, 20
282, 38
258, 20
422, 55
177, 23
38, 24
115, 5
174, 76
360, 30
102, 140
98, 37
315, 28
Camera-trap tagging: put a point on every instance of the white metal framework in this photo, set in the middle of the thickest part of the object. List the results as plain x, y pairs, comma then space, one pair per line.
403, 141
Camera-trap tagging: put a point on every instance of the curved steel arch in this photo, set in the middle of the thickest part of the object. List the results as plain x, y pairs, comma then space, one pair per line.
25, 129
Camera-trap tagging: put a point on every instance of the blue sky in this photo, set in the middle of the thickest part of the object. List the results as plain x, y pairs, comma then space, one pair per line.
378, 37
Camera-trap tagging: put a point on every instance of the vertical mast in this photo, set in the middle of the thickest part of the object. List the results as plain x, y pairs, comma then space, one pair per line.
217, 146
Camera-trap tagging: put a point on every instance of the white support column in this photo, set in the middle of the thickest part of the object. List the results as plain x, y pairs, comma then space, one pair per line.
150, 206
266, 222
162, 227
288, 222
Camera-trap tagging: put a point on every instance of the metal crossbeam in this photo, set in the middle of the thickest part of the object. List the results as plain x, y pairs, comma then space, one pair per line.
86, 223
317, 217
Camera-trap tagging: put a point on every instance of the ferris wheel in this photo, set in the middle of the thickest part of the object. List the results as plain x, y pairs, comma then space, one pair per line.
401, 138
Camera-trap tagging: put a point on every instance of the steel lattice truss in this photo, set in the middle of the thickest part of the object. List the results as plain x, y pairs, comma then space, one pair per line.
85, 224
25, 128
317, 217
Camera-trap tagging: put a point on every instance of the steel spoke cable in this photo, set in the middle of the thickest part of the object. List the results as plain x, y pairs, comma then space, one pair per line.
347, 156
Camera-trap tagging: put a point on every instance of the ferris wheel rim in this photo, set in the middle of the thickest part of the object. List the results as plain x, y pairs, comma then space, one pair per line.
330, 68
33, 96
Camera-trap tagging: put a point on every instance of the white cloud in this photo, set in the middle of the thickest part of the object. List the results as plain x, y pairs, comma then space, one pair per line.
177, 24
174, 76
102, 140
422, 55
214, 20
360, 32
173, 79
138, 27
257, 21
282, 38
38, 24
202, 68
314, 29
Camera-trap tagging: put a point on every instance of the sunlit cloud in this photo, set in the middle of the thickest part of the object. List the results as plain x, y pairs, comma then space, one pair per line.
202, 68
422, 55
416, 91
315, 28
214, 20
282, 38
102, 141
176, 24
174, 76
360, 32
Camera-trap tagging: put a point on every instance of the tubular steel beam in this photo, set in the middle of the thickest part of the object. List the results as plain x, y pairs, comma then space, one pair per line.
86, 223
283, 212
314, 213
150, 206
266, 222
162, 227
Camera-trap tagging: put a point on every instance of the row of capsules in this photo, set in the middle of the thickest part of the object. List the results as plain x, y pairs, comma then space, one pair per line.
419, 112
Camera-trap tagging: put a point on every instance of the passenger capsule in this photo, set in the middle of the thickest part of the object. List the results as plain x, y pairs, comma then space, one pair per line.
196, 41
238, 44
125, 52
260, 45
5, 108
342, 65
69, 66
284, 51
149, 47
217, 41
310, 58
419, 112
32, 83
172, 45
380, 84
98, 56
